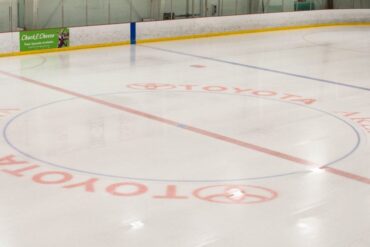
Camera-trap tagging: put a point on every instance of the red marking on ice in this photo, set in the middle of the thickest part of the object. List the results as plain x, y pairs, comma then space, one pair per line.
199, 66
348, 175
203, 132
235, 194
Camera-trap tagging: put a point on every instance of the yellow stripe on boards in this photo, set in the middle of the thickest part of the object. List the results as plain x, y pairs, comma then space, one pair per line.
193, 36
72, 48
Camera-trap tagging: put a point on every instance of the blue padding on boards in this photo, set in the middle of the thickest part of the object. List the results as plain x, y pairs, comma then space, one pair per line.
133, 33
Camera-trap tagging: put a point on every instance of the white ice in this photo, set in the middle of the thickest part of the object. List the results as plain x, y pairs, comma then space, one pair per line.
256, 140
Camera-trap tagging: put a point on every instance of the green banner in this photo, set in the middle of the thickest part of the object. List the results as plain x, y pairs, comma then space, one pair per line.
44, 39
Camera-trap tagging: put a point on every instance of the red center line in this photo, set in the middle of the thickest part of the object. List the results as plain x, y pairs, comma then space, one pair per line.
193, 129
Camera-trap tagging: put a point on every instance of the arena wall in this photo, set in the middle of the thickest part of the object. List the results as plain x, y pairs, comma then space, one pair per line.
118, 34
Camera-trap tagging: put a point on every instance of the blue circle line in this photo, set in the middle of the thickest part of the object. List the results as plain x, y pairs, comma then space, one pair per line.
8, 124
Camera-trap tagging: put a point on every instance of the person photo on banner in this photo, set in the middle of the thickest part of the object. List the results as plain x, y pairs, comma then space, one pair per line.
63, 38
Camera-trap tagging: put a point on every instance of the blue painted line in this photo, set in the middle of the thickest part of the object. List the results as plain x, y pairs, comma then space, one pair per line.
23, 153
133, 33
182, 126
261, 68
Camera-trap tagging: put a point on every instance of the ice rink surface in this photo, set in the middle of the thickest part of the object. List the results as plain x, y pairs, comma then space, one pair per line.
256, 140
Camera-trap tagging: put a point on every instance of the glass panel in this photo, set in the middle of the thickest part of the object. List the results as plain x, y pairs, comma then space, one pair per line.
304, 5
272, 6
243, 7
189, 8
155, 11
365, 4
4, 17
201, 7
229, 7
196, 8
182, 8
344, 4
29, 19
254, 6
119, 11
75, 13
288, 5
166, 10
20, 13
49, 13
213, 7
362, 4
141, 10
97, 12
319, 4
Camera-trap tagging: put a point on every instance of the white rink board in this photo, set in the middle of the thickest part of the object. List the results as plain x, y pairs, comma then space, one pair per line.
99, 34
175, 28
9, 42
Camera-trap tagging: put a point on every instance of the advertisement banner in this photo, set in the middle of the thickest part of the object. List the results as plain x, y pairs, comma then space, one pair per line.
44, 39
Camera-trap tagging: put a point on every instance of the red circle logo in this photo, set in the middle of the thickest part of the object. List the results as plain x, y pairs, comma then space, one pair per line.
235, 194
150, 86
